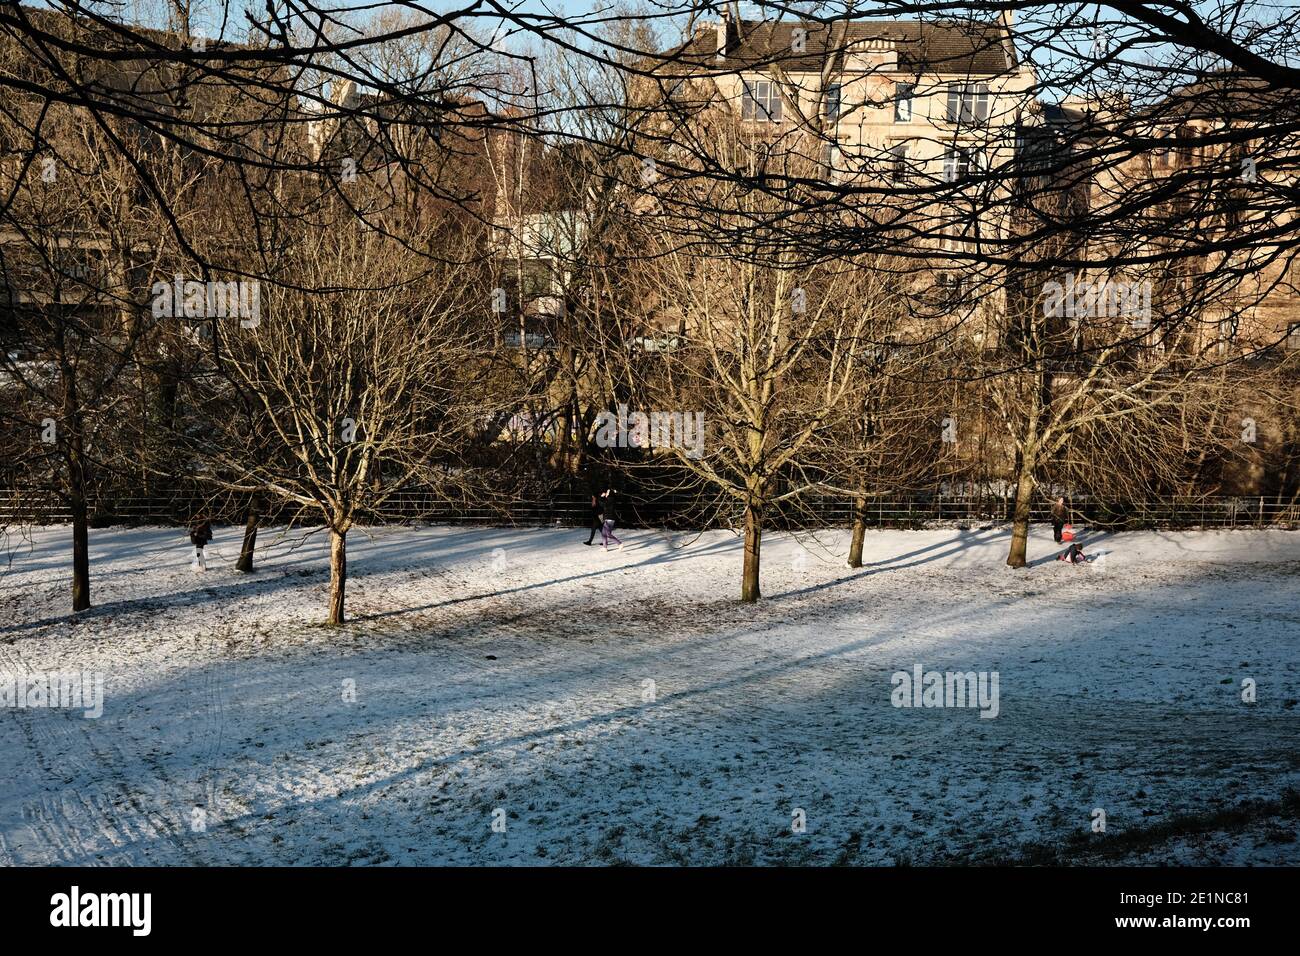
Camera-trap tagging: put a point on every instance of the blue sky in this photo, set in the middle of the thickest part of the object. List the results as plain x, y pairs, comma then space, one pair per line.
209, 13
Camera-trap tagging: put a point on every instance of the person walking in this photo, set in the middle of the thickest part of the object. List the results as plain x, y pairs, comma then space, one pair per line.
597, 517
200, 535
1060, 515
607, 528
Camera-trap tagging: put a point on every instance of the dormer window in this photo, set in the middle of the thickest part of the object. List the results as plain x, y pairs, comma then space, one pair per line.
761, 102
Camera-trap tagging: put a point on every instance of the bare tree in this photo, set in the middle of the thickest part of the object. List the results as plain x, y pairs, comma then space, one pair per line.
361, 378
771, 346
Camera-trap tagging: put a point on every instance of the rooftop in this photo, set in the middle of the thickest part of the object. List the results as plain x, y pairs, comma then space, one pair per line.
963, 47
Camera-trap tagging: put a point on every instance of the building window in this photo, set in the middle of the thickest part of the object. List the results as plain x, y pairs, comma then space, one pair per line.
952, 238
538, 279
761, 102
1293, 335
1175, 153
1034, 148
900, 169
830, 155
968, 102
959, 162
903, 93
952, 288
74, 264
1227, 332
832, 104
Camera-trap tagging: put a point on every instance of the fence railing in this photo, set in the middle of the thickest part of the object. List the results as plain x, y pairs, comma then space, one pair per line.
683, 511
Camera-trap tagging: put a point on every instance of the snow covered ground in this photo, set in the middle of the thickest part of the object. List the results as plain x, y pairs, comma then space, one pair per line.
621, 707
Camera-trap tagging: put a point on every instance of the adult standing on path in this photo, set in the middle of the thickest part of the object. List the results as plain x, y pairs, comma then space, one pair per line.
1060, 515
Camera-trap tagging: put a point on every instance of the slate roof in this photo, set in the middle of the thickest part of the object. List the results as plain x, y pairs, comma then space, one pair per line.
1227, 94
970, 47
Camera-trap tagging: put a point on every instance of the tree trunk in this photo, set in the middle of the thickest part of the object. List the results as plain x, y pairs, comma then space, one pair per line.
564, 420
859, 530
74, 449
1020, 516
338, 574
749, 590
80, 553
245, 562
581, 437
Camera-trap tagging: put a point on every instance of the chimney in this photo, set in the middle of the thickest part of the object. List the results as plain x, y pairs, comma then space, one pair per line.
1007, 21
345, 93
726, 31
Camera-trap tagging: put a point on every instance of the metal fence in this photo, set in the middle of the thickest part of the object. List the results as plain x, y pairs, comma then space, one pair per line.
682, 511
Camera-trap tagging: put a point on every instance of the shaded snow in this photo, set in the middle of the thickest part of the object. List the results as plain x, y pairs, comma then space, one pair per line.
506, 669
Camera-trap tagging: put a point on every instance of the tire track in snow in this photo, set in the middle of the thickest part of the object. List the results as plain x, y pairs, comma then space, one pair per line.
107, 809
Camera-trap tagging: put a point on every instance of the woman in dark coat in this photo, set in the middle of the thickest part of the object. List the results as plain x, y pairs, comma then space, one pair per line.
597, 517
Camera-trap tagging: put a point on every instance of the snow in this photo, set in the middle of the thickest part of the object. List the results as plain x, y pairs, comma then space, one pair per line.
510, 669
